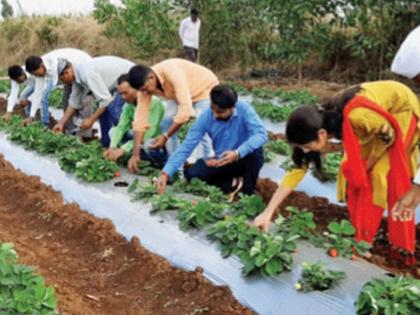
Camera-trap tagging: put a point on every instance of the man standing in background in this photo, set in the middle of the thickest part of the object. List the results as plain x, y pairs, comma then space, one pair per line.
189, 32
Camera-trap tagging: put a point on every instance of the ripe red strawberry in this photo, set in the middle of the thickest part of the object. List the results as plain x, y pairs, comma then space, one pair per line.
333, 252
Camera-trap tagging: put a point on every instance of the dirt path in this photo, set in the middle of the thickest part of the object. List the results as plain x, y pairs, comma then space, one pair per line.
94, 269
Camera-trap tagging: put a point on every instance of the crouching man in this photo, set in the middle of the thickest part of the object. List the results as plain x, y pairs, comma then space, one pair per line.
121, 136
237, 134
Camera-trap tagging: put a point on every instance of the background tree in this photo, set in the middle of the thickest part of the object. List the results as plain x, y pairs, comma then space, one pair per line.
6, 9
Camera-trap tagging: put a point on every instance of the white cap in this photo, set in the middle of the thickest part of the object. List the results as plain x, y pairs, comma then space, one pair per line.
407, 60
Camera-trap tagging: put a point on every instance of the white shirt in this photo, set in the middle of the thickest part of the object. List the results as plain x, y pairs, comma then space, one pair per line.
50, 61
98, 76
407, 60
14, 91
190, 32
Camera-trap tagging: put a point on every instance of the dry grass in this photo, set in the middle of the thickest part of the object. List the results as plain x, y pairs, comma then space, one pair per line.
38, 35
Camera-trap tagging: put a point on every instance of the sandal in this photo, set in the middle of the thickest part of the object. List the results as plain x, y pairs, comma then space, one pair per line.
237, 186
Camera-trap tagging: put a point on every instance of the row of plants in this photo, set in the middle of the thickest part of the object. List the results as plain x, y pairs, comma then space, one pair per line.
267, 253
229, 225
85, 160
272, 253
22, 292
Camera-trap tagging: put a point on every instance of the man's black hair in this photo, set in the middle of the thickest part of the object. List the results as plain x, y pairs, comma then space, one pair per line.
123, 78
194, 12
223, 96
15, 72
137, 76
32, 63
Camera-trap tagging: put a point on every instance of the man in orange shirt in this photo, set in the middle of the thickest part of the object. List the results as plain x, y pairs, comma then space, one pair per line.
187, 85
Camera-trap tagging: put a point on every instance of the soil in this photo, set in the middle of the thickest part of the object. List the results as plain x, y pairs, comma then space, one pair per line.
325, 212
93, 269
19, 110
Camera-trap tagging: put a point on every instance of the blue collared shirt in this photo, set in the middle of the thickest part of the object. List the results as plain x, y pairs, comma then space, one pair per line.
244, 131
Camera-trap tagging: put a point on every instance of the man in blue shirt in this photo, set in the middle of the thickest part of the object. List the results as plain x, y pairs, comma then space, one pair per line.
237, 134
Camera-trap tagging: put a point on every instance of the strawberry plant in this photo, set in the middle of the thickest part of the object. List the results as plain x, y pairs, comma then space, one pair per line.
199, 215
22, 292
50, 143
28, 137
55, 98
278, 147
140, 192
315, 276
168, 201
263, 93
233, 234
199, 188
96, 169
270, 255
147, 169
299, 222
330, 166
340, 240
398, 296
248, 205
238, 88
273, 112
5, 86
183, 131
296, 97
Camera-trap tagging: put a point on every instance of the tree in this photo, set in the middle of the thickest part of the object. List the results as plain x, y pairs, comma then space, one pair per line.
6, 9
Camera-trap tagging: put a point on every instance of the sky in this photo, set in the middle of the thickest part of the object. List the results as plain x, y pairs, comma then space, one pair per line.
53, 7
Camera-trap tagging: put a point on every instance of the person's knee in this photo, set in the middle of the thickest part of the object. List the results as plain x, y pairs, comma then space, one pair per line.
197, 170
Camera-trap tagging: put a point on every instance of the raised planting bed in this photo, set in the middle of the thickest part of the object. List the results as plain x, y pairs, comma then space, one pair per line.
161, 234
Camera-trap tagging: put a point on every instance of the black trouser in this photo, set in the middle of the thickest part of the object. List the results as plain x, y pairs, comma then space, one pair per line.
190, 53
247, 167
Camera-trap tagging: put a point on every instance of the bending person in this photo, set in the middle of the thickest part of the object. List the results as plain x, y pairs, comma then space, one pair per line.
122, 136
45, 71
98, 77
377, 123
187, 86
407, 64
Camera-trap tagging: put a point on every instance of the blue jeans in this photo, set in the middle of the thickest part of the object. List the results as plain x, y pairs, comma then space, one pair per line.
44, 103
110, 118
204, 148
157, 157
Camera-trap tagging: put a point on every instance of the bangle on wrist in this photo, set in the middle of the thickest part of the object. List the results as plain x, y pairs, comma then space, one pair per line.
165, 135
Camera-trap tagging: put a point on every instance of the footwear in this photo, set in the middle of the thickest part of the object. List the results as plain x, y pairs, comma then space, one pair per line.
236, 186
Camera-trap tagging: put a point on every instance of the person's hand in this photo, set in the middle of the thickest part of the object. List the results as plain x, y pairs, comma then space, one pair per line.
405, 207
113, 154
24, 103
158, 143
211, 162
28, 121
58, 128
161, 182
87, 124
7, 116
262, 221
133, 164
226, 158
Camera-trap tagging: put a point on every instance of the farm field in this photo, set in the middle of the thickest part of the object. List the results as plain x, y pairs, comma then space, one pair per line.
219, 157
